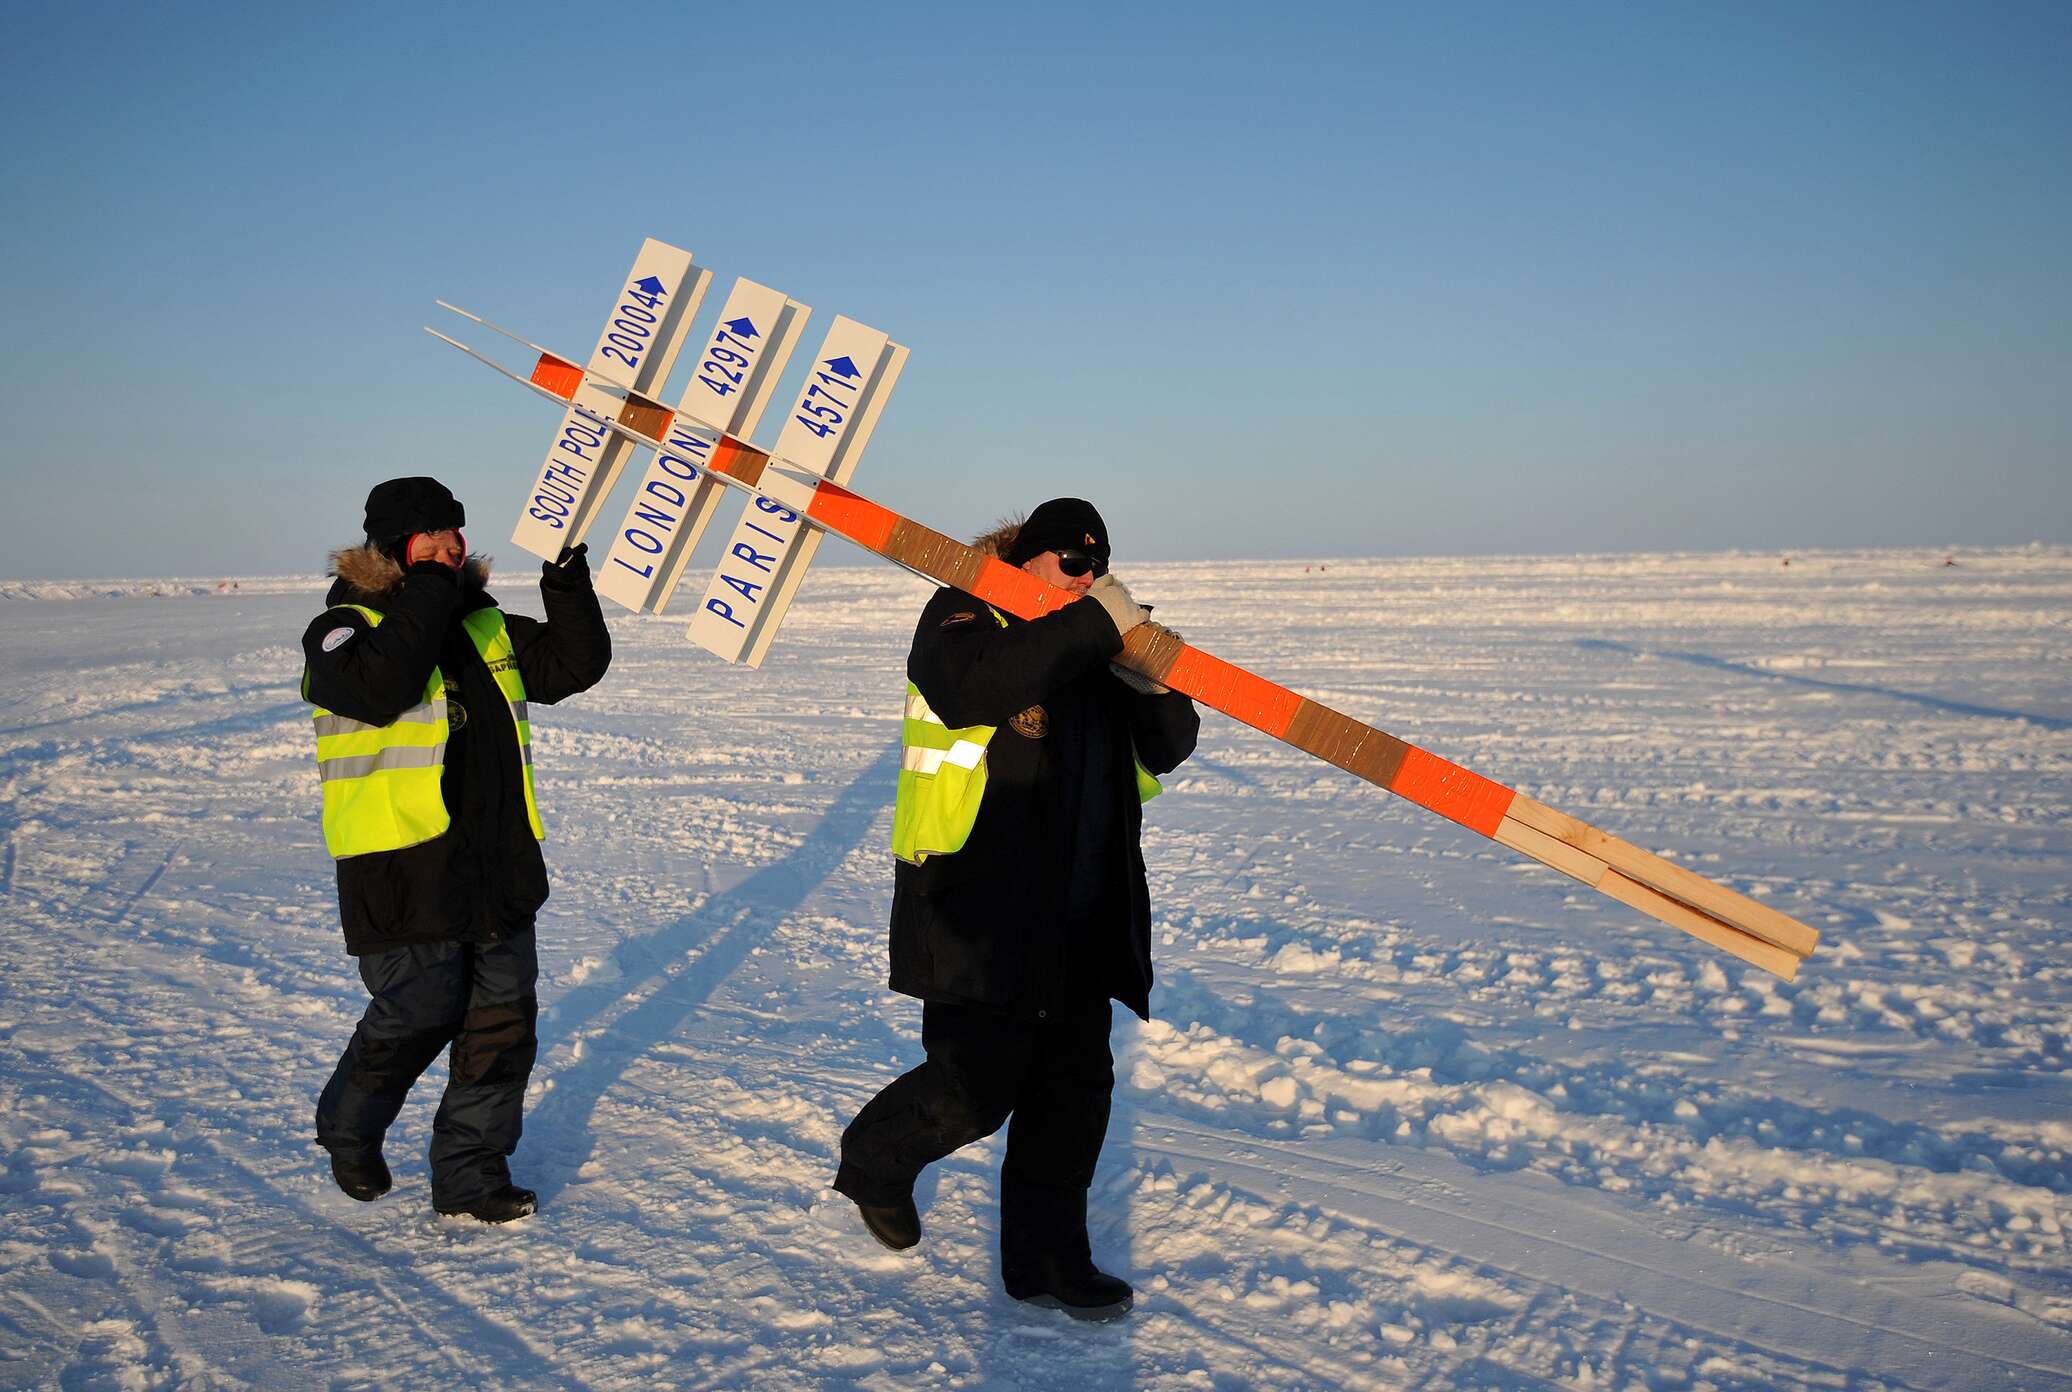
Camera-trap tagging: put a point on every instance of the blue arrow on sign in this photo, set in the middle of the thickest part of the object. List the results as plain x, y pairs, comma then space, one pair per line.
744, 327
650, 286
842, 367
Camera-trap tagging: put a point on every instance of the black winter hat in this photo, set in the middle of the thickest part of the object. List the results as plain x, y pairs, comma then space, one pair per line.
402, 506
1062, 524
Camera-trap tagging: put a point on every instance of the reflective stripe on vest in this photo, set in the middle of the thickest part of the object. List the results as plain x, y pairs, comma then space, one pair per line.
942, 780
381, 782
942, 777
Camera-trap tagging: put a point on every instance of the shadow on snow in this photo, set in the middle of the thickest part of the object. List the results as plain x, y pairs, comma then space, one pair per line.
1937, 703
713, 940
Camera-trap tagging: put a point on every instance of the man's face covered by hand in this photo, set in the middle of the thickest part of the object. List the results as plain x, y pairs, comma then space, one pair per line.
445, 547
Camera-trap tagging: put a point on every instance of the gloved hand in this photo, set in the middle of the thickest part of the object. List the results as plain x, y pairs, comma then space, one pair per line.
1137, 681
570, 572
1114, 596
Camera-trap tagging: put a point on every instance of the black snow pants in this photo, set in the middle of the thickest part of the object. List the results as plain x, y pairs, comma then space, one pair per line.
1053, 1075
477, 997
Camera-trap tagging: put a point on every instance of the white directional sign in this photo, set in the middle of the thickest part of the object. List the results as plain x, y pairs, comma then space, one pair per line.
638, 346
736, 373
831, 422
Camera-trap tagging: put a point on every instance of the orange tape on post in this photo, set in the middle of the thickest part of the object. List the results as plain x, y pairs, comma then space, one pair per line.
857, 518
1459, 794
557, 376
1262, 704
1019, 593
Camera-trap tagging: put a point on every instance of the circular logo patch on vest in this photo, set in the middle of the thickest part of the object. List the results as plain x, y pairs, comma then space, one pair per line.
338, 638
456, 715
1033, 723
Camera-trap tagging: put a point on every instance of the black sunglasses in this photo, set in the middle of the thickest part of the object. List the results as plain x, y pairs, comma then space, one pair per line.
1078, 563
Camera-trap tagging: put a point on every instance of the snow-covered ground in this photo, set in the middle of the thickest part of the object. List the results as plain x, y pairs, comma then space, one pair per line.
1414, 1113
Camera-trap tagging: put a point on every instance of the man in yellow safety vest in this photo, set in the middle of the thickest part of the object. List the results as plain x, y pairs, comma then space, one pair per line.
1019, 901
422, 688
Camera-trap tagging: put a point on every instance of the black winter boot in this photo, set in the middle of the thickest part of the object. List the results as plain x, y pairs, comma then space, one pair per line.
898, 1225
362, 1177
498, 1206
1075, 1286
1045, 1258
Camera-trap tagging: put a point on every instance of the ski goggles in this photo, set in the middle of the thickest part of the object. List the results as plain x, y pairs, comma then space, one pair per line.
1078, 563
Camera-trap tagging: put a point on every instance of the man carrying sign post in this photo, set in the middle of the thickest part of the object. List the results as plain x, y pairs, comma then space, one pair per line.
1019, 904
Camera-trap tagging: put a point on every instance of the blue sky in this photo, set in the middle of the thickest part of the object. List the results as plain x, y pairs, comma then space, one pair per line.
1360, 280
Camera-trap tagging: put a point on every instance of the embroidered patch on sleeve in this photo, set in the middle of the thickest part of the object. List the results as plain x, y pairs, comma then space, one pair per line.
339, 637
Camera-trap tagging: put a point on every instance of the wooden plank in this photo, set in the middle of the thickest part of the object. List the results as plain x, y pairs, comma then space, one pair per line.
1548, 851
1666, 877
1724, 936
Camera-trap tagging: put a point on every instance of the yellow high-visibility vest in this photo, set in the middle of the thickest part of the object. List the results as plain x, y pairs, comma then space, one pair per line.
381, 782
942, 780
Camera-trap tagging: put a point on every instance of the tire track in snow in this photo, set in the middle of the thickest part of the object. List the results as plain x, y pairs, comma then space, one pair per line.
1420, 1202
138, 895
1255, 1356
36, 756
169, 700
465, 1339
238, 1192
1942, 704
1615, 1091
42, 761
126, 1321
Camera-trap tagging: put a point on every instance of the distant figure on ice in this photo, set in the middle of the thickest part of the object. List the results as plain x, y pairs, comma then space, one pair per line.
421, 686
1019, 904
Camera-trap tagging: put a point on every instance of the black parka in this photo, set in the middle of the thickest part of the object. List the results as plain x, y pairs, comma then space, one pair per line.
484, 878
1031, 914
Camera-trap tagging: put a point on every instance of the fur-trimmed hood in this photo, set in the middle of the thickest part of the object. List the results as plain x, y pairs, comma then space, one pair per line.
374, 574
1000, 539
